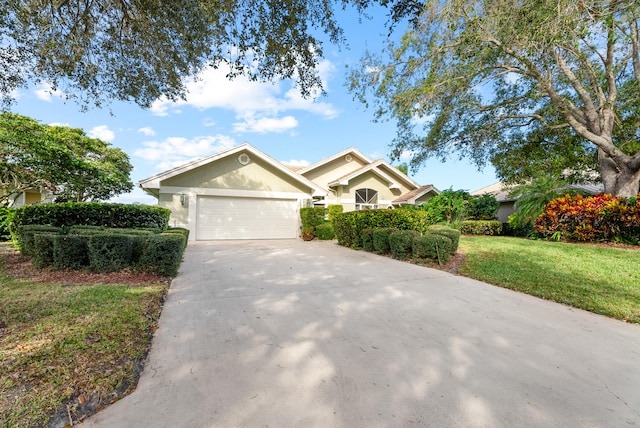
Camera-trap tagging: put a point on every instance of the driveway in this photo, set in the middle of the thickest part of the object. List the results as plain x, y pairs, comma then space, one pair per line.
311, 334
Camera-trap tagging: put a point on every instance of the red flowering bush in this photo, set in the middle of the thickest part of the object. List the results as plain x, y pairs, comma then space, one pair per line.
595, 218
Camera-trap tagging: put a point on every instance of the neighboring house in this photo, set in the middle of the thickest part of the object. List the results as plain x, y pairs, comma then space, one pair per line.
506, 208
29, 197
242, 193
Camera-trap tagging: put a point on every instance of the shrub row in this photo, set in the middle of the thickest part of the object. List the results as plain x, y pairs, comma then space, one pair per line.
68, 214
438, 243
349, 226
481, 227
595, 218
105, 250
315, 223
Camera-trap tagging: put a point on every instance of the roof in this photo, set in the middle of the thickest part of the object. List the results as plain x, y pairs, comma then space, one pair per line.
153, 182
410, 197
374, 167
501, 190
350, 151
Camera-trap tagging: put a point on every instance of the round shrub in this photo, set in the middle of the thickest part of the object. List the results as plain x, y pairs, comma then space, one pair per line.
367, 239
450, 233
380, 238
400, 243
432, 246
324, 231
481, 227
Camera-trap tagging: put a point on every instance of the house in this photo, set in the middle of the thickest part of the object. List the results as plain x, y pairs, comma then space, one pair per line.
242, 193
506, 207
28, 197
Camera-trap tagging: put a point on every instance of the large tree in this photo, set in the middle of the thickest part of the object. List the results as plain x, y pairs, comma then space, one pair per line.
57, 159
470, 75
139, 50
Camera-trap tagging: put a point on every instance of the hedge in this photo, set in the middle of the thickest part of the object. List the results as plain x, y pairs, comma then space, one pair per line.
325, 231
349, 226
93, 214
481, 227
400, 243
162, 254
24, 236
312, 217
6, 215
43, 249
449, 232
380, 237
433, 246
367, 240
333, 210
110, 252
70, 252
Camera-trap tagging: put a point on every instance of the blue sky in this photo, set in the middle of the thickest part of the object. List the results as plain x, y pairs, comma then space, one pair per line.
220, 114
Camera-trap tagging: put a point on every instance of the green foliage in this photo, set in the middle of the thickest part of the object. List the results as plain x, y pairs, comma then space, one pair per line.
481, 227
93, 214
367, 240
325, 231
6, 215
333, 210
349, 226
110, 252
312, 217
534, 195
70, 252
59, 159
139, 51
162, 254
539, 72
514, 227
433, 246
180, 230
25, 236
400, 243
43, 249
484, 207
380, 237
450, 233
450, 206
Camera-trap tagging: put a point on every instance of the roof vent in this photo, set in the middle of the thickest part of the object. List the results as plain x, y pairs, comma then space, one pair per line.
348, 158
244, 159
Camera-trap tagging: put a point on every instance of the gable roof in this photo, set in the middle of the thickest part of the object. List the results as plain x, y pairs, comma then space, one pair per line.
153, 182
412, 196
393, 175
350, 151
501, 191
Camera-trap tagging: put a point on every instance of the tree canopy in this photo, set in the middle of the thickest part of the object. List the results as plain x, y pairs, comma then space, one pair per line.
139, 50
61, 160
539, 78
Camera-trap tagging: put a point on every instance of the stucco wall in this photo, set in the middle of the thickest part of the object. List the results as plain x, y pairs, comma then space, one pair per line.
370, 180
333, 170
179, 214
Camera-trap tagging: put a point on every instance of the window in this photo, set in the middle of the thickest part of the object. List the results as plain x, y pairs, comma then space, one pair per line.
366, 199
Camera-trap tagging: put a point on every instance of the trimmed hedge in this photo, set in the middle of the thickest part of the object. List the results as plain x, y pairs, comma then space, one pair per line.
6, 214
380, 237
25, 236
162, 254
70, 252
433, 246
333, 210
43, 249
481, 227
110, 252
94, 214
449, 232
401, 242
349, 226
324, 231
367, 240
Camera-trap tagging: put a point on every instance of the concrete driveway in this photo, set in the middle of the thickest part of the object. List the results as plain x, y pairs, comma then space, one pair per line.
310, 334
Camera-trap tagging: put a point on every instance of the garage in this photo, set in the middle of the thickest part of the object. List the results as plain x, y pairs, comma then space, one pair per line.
229, 217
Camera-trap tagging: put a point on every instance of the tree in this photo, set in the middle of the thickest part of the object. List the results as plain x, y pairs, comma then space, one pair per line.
58, 159
403, 168
450, 206
140, 50
470, 75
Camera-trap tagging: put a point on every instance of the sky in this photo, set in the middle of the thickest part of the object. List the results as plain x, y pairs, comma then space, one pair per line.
219, 114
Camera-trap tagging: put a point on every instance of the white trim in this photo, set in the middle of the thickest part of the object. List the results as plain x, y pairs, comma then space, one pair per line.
349, 151
374, 167
203, 191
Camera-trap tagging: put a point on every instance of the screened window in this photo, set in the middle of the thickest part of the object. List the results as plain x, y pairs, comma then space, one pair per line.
366, 199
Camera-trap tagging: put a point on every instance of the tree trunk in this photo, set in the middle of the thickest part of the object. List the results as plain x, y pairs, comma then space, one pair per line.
618, 181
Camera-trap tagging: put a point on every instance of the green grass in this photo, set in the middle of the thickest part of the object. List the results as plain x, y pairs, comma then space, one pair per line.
600, 279
61, 346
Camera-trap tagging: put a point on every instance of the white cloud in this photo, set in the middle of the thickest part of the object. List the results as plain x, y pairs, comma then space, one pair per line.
174, 151
265, 125
59, 124
102, 132
256, 104
45, 92
407, 155
148, 131
208, 122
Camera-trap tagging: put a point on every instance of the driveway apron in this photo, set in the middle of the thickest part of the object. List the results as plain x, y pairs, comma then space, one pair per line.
310, 334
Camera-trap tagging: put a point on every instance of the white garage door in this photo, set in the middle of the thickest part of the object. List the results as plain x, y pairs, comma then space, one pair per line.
246, 218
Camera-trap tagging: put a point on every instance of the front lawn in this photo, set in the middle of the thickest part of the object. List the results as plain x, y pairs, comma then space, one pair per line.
70, 344
600, 279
